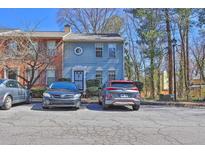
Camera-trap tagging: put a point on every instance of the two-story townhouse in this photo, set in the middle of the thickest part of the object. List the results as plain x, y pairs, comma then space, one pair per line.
83, 56
92, 56
48, 39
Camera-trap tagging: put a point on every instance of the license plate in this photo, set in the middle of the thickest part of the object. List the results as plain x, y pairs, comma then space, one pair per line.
123, 95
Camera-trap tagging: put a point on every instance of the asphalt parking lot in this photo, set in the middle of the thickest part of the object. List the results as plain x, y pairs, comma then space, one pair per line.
30, 124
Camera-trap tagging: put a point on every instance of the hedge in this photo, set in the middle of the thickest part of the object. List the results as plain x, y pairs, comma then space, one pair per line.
92, 87
38, 92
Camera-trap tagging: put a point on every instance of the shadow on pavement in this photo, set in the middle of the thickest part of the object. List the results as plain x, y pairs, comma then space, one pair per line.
39, 107
97, 107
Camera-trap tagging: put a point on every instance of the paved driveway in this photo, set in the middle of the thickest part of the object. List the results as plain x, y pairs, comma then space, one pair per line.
29, 124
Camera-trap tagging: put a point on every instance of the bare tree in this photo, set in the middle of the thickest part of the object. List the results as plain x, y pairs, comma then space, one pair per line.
198, 52
91, 20
19, 48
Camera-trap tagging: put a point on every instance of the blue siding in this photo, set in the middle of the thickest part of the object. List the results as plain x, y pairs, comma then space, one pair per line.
88, 59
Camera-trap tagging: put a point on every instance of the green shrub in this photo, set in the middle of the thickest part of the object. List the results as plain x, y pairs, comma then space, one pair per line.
38, 92
92, 87
92, 91
65, 79
93, 83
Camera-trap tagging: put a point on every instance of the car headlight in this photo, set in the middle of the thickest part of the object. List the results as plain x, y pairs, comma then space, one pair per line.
77, 96
46, 95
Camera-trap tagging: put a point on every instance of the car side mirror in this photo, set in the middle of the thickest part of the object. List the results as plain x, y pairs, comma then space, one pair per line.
100, 88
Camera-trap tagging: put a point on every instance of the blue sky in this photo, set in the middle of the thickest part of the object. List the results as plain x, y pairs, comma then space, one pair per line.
28, 18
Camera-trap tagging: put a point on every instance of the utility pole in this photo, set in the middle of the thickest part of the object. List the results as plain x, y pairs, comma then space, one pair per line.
174, 41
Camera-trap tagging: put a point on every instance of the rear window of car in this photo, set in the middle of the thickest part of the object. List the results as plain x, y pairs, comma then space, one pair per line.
63, 85
123, 84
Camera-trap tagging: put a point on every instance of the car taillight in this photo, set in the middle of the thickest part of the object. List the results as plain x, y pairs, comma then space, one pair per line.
134, 88
111, 88
108, 97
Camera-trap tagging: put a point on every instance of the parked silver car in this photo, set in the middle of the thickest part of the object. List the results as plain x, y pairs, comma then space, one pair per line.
120, 93
11, 92
62, 94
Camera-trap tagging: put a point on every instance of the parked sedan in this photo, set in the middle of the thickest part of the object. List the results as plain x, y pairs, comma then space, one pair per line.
62, 94
120, 93
12, 92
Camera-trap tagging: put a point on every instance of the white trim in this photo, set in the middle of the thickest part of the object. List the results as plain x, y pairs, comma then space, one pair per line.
111, 69
80, 68
99, 69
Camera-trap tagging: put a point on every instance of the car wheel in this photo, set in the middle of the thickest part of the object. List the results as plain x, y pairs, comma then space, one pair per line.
104, 106
99, 101
29, 99
135, 107
7, 103
45, 107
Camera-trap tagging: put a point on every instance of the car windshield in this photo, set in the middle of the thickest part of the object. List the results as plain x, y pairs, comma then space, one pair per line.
122, 84
1, 81
63, 85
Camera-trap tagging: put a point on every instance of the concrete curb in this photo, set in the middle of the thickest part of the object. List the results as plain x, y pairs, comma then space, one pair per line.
177, 104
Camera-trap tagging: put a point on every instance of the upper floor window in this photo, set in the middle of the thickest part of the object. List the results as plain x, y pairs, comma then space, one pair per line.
99, 76
13, 45
112, 75
99, 49
51, 47
33, 48
112, 50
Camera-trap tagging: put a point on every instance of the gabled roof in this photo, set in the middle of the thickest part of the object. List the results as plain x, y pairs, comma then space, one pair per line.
37, 34
92, 37
48, 34
67, 37
6, 29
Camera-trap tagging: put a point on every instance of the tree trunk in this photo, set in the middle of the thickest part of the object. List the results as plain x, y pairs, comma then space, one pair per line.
170, 66
152, 78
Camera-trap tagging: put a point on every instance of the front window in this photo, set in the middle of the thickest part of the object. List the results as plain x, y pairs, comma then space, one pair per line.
50, 75
12, 84
51, 46
99, 49
12, 74
112, 50
111, 75
63, 85
99, 76
29, 74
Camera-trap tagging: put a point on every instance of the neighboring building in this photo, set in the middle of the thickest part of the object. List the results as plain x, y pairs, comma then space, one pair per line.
90, 56
84, 56
42, 38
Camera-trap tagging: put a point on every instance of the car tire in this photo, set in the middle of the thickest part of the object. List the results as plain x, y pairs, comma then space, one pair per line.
135, 107
99, 102
29, 100
45, 107
7, 103
104, 106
